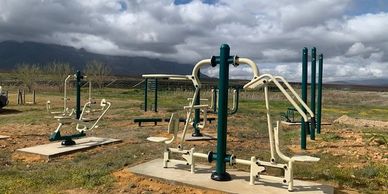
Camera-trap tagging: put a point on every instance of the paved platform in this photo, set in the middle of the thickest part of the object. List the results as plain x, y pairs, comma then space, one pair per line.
56, 149
298, 123
188, 137
3, 137
239, 183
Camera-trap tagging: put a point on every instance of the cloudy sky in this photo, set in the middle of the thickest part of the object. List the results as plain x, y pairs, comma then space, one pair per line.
352, 35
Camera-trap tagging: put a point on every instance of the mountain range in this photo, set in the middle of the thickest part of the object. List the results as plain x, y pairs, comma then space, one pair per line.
13, 53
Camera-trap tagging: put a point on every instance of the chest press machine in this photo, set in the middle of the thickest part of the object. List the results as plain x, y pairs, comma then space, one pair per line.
220, 156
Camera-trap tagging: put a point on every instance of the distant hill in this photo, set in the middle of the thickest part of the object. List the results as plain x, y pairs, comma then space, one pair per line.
13, 53
363, 82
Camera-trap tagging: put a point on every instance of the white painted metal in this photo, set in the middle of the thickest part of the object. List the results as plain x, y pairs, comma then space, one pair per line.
167, 76
290, 160
269, 124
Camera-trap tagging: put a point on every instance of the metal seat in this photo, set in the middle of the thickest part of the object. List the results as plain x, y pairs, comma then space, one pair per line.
173, 126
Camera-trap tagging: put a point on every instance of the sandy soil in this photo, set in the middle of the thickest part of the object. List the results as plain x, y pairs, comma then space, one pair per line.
349, 143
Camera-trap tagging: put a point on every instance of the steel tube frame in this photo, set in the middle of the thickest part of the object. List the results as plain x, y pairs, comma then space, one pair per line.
312, 88
304, 97
319, 96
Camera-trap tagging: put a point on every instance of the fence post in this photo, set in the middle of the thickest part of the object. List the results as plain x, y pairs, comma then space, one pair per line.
145, 94
24, 97
33, 97
156, 95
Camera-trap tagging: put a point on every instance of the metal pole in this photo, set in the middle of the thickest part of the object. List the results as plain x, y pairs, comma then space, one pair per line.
215, 100
78, 94
24, 97
156, 95
220, 174
304, 97
33, 97
319, 98
312, 89
197, 131
145, 94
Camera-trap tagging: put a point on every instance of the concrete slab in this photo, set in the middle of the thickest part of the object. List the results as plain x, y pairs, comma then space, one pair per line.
3, 137
239, 183
298, 123
56, 149
205, 137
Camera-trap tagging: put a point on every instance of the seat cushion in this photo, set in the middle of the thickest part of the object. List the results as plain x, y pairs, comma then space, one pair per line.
305, 158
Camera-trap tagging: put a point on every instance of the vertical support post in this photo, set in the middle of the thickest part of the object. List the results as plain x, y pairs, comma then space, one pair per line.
197, 131
220, 174
33, 97
304, 97
78, 94
215, 100
24, 97
319, 98
156, 95
19, 97
312, 89
145, 94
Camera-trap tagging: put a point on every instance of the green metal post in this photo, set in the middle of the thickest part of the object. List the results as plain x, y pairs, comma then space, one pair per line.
145, 94
319, 97
312, 89
197, 131
304, 97
215, 100
220, 174
156, 95
78, 94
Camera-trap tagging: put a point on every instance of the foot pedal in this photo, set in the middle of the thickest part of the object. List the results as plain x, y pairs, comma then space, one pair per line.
68, 142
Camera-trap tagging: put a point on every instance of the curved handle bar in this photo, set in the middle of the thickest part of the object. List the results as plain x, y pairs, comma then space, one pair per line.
197, 67
267, 78
254, 68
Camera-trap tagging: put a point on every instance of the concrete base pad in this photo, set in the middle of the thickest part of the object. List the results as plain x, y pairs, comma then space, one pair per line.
56, 149
3, 137
298, 123
238, 184
203, 138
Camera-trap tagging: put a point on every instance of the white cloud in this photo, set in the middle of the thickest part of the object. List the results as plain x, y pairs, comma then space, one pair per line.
270, 32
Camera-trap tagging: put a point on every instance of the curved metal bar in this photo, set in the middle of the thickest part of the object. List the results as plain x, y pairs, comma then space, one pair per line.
105, 107
296, 95
167, 76
197, 67
254, 68
65, 95
267, 78
250, 63
188, 116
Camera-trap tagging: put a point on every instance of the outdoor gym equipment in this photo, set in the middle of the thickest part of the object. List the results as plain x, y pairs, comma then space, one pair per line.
22, 97
314, 99
235, 101
3, 98
316, 109
85, 119
66, 110
193, 105
221, 157
84, 123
